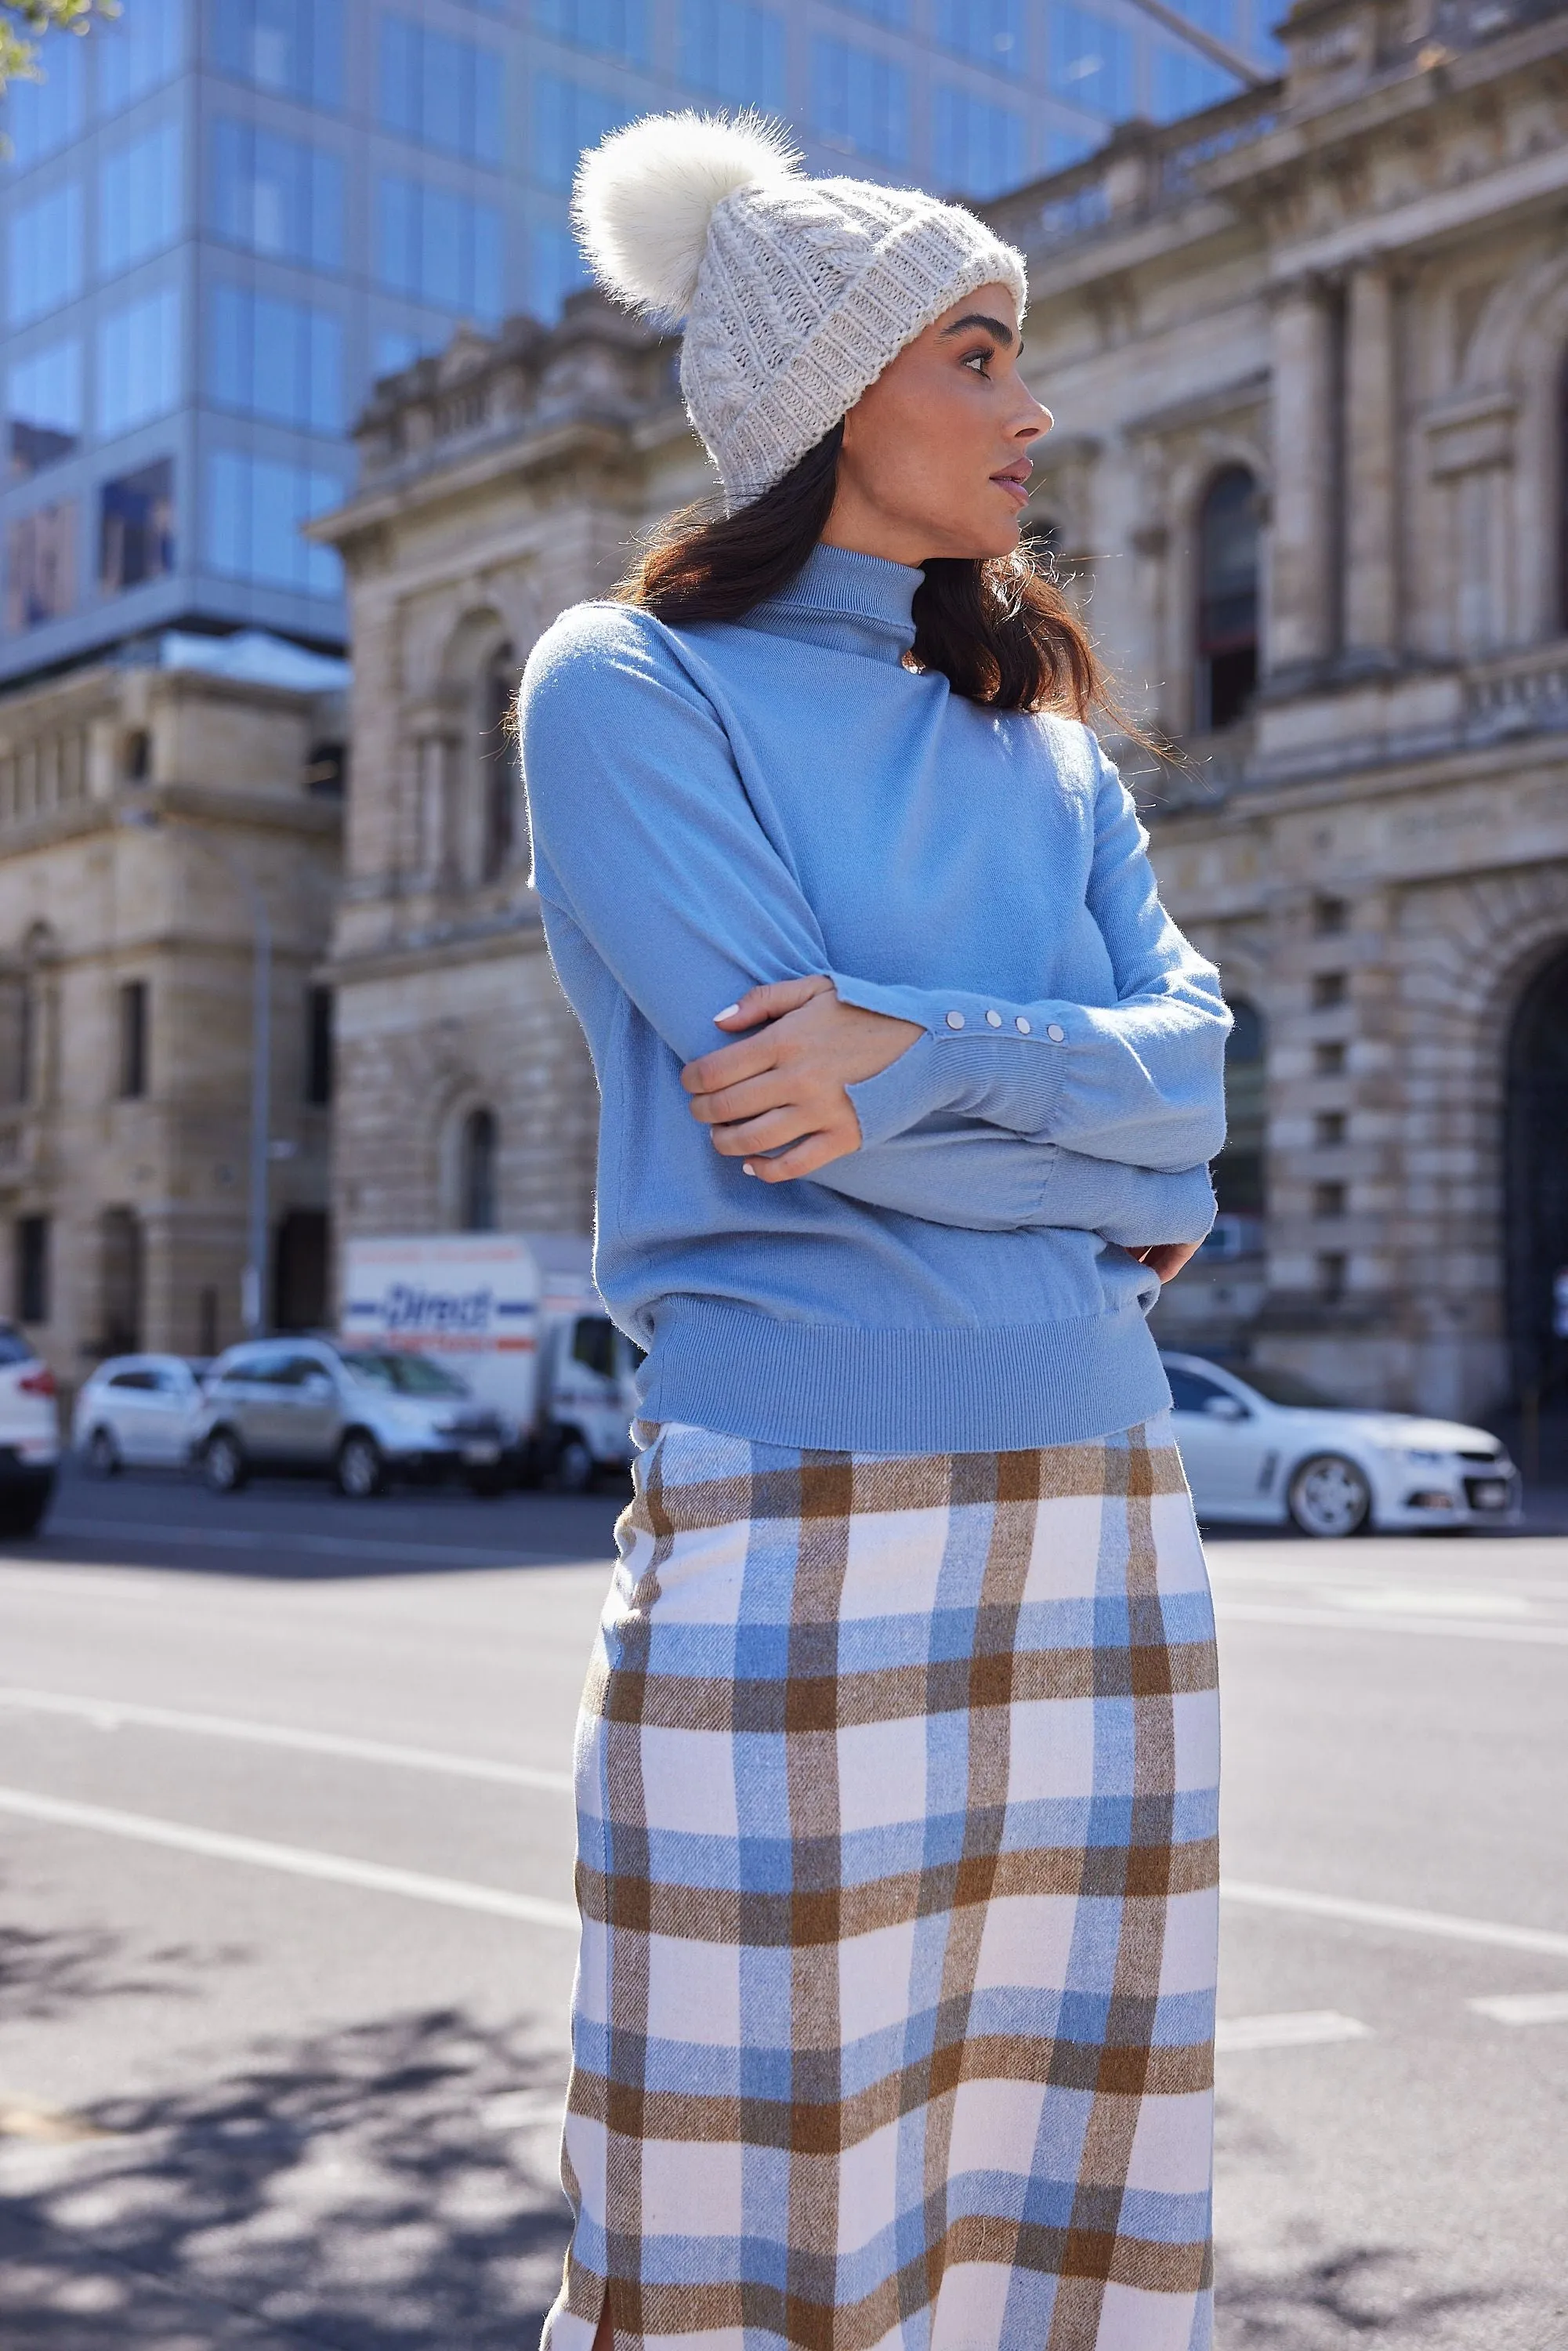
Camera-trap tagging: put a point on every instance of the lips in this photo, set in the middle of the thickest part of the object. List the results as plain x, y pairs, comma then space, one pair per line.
1015, 481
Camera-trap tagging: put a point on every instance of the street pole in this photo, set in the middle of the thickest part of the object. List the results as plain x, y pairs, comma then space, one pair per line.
254, 1300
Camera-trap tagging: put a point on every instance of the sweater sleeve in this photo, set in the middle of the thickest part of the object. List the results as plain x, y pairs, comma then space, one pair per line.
643, 837
1141, 1081
963, 1173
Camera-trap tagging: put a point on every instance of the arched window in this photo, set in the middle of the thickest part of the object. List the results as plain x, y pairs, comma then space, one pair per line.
476, 1156
1227, 600
499, 778
1239, 1173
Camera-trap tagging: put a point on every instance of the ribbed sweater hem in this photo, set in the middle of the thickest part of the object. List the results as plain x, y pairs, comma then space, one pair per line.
836, 1387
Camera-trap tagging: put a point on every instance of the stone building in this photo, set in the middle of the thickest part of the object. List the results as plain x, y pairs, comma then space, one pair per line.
137, 801
499, 483
1306, 357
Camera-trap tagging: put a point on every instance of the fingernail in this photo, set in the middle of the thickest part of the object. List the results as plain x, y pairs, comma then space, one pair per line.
726, 1013
747, 1168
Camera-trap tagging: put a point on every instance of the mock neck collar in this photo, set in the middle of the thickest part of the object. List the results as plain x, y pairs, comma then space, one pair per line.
839, 594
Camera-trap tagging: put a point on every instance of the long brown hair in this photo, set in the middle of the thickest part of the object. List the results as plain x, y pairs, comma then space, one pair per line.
1000, 629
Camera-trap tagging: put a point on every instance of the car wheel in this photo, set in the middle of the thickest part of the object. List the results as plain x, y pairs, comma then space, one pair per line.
224, 1468
22, 1512
1328, 1498
103, 1454
360, 1472
575, 1467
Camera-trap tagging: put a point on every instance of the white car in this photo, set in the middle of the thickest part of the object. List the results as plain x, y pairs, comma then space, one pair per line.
137, 1412
1265, 1447
29, 1433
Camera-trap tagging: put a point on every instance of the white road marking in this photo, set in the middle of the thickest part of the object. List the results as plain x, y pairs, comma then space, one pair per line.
1442, 1923
297, 1861
107, 1714
1428, 1600
1523, 2007
1345, 1620
1302, 2028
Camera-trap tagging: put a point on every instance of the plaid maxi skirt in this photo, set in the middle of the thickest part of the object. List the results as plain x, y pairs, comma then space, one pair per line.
893, 2023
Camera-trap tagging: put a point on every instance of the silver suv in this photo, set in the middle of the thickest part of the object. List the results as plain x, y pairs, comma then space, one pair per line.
364, 1416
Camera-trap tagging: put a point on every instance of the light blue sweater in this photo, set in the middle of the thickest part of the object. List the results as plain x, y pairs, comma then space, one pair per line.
728, 803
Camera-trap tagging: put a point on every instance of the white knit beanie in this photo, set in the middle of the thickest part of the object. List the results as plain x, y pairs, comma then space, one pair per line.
795, 293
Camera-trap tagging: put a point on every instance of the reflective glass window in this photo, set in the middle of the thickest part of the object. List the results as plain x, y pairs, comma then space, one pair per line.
269, 357
138, 198
991, 32
1090, 60
439, 247
568, 116
44, 407
881, 12
45, 253
276, 196
38, 117
253, 510
445, 93
860, 101
139, 361
729, 50
294, 47
40, 566
137, 51
617, 29
136, 530
977, 149
1185, 80
556, 269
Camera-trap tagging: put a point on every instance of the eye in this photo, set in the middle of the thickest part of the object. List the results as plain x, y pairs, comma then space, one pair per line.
979, 360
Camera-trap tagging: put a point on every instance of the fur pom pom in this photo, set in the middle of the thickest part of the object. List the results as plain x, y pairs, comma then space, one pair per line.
644, 197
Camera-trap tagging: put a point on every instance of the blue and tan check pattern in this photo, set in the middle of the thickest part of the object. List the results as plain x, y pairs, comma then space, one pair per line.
896, 1796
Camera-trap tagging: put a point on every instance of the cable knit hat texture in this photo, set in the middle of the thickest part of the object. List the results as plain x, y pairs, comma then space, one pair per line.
795, 293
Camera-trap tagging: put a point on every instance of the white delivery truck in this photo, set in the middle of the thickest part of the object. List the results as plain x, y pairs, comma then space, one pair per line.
515, 1316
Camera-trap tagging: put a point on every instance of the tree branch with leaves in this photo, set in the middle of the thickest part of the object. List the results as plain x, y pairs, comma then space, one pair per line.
25, 23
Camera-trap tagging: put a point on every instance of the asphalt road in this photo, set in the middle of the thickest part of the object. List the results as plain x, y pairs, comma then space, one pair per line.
285, 1947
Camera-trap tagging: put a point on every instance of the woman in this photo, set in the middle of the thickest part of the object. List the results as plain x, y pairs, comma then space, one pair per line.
896, 1766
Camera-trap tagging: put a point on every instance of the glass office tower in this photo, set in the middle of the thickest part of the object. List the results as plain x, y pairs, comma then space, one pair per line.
221, 219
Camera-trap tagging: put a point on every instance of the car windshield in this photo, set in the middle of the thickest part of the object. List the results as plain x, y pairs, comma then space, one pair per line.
1290, 1388
405, 1374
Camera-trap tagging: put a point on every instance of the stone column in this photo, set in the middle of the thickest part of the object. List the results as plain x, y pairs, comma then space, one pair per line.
1302, 619
1371, 426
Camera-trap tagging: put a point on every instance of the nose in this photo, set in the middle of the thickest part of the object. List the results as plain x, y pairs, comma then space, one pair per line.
1036, 420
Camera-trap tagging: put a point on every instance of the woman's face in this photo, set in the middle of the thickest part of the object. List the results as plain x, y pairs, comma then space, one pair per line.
935, 454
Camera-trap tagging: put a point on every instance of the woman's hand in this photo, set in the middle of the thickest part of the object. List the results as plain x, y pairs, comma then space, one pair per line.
785, 1084
1166, 1257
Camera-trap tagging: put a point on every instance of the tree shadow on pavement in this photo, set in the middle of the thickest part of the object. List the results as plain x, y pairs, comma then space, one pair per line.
390, 2187
1363, 2295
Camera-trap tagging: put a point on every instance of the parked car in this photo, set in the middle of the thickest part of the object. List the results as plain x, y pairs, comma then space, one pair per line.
138, 1412
362, 1415
1265, 1446
516, 1316
29, 1433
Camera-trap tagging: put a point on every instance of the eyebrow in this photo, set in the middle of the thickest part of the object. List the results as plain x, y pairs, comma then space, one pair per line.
1004, 334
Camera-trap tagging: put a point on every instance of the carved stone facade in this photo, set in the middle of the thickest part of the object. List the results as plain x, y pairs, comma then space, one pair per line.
1306, 356
500, 483
136, 802
1307, 353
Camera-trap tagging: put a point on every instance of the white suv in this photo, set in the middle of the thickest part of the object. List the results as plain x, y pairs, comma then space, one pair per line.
137, 1411
364, 1414
29, 1434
